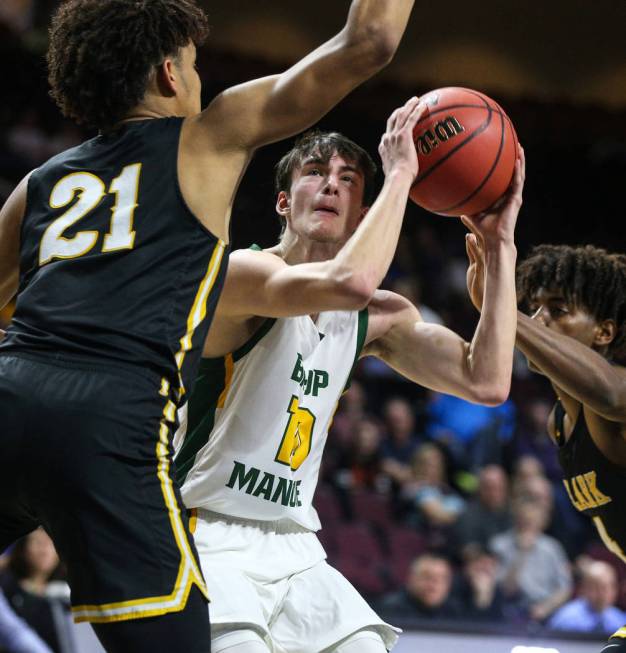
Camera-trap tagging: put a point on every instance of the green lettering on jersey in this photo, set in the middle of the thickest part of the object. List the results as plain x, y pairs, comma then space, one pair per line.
283, 490
312, 381
245, 478
287, 491
265, 487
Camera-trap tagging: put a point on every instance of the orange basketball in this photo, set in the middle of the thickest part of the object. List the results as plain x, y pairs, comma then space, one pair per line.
466, 146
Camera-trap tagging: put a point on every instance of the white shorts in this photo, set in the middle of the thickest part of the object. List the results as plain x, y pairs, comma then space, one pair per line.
274, 579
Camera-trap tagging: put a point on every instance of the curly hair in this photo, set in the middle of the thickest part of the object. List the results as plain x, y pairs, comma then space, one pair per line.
102, 52
589, 277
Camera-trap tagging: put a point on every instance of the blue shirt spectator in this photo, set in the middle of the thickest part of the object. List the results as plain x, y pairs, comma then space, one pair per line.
593, 611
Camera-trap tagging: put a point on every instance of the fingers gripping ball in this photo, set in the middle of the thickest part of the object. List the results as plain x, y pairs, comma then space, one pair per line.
466, 147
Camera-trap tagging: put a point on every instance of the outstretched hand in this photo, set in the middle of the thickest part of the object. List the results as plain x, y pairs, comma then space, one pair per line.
397, 148
487, 229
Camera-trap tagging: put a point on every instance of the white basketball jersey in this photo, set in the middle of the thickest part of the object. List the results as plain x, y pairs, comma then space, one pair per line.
258, 419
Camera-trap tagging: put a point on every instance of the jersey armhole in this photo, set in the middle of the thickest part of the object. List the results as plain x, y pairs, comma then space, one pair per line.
360, 343
559, 423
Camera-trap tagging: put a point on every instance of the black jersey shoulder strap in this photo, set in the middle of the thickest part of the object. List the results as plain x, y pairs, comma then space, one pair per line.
559, 423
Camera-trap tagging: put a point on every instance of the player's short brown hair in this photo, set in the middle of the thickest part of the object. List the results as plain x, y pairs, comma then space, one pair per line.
589, 277
324, 145
102, 52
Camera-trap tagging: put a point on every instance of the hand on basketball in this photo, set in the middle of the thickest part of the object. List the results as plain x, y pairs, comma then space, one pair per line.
492, 226
496, 225
397, 149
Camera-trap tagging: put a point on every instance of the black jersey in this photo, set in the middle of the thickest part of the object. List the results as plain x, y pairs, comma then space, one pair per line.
114, 267
596, 486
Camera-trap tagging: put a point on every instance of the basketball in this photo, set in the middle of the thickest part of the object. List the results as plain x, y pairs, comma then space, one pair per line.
466, 147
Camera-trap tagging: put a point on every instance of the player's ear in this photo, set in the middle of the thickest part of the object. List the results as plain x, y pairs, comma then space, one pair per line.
167, 77
283, 204
604, 333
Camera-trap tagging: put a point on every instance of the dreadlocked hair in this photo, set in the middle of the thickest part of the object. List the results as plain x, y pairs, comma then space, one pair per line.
102, 52
589, 277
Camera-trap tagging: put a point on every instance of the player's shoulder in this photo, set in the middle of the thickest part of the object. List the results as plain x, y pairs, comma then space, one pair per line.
386, 303
254, 258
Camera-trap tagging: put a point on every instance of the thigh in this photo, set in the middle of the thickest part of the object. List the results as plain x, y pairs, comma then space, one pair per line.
322, 609
187, 631
99, 479
16, 515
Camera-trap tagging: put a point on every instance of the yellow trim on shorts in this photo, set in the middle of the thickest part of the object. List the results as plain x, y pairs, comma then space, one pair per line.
188, 570
620, 633
198, 309
229, 365
193, 520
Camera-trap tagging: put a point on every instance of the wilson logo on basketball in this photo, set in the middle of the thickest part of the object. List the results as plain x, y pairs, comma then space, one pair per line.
440, 132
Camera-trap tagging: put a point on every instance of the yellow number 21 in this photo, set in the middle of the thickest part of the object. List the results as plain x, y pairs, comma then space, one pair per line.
91, 190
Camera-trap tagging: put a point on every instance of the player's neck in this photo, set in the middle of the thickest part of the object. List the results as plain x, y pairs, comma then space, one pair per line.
154, 107
294, 249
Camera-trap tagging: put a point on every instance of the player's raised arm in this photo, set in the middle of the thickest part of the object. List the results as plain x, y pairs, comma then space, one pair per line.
576, 370
265, 284
275, 107
11, 216
436, 357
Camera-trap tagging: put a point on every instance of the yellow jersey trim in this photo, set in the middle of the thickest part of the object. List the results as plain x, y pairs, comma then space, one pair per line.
198, 309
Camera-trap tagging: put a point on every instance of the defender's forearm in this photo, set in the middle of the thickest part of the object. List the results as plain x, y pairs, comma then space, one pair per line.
583, 374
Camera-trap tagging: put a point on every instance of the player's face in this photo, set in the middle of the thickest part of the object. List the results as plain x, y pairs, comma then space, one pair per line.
551, 308
326, 199
188, 91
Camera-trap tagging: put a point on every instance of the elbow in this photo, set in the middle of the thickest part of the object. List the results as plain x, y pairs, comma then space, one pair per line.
491, 394
374, 47
356, 290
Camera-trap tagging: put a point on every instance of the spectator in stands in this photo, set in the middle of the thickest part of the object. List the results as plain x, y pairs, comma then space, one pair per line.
526, 468
427, 592
594, 610
474, 435
360, 466
564, 522
478, 591
32, 563
534, 572
352, 409
15, 634
436, 506
486, 515
532, 440
401, 441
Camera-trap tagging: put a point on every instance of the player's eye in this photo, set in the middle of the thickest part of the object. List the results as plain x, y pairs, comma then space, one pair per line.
313, 171
348, 178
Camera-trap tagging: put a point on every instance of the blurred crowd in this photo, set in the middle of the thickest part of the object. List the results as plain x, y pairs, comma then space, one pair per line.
433, 507
439, 509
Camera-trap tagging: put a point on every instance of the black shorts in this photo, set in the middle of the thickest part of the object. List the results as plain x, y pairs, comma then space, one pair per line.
617, 642
85, 452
